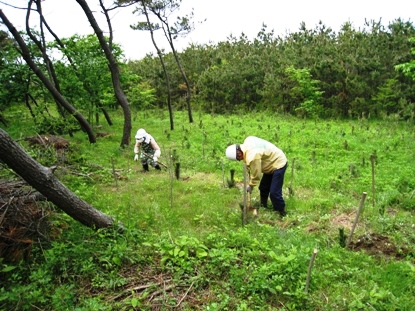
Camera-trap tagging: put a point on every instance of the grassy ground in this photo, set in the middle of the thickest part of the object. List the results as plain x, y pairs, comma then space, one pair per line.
186, 246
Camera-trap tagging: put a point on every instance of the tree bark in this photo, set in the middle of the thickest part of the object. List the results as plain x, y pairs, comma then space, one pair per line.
42, 48
168, 34
42, 179
58, 96
115, 72
86, 85
160, 55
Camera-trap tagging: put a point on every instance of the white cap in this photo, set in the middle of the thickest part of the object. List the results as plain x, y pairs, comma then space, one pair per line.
140, 136
231, 152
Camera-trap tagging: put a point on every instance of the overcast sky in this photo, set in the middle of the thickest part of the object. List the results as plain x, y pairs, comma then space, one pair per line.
223, 18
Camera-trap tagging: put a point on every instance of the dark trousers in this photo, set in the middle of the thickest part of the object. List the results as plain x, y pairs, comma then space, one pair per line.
271, 185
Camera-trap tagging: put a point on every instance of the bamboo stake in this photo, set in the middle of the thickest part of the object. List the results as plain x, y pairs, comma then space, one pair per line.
113, 172
362, 200
245, 197
310, 267
290, 188
372, 159
223, 174
171, 179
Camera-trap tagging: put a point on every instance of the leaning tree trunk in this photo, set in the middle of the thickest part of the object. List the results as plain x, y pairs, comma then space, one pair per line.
42, 179
58, 96
115, 73
86, 85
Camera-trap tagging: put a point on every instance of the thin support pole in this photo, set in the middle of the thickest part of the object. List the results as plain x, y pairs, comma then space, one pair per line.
310, 267
244, 212
372, 160
290, 188
362, 201
113, 172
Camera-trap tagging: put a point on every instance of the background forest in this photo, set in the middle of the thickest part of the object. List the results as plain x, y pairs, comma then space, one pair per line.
340, 104
313, 72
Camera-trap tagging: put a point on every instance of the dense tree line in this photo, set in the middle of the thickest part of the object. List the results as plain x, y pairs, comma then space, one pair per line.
312, 72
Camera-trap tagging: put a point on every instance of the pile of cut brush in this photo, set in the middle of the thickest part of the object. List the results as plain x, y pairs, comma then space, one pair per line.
23, 219
24, 212
58, 143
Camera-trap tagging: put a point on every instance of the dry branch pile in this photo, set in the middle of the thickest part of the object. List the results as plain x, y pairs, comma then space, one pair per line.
23, 220
56, 142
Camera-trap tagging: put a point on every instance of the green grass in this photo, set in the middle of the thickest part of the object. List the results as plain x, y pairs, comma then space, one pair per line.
188, 232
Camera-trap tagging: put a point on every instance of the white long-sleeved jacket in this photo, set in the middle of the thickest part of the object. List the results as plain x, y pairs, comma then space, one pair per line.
148, 139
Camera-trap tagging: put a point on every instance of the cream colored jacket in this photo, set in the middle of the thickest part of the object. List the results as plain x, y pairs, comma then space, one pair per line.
261, 156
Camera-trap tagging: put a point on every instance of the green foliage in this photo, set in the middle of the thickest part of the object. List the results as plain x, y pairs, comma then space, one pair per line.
350, 72
141, 96
307, 91
342, 237
182, 254
56, 125
408, 68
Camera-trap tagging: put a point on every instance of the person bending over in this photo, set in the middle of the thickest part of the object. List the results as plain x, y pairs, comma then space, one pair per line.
149, 150
262, 157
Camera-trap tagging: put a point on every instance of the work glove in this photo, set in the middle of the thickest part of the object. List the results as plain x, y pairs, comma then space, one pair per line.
155, 159
249, 189
136, 157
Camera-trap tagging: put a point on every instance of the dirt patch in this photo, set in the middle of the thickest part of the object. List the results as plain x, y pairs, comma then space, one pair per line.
372, 243
344, 220
378, 245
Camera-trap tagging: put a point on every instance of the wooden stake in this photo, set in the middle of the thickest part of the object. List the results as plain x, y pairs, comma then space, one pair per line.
171, 159
245, 196
310, 267
372, 159
290, 188
362, 200
113, 172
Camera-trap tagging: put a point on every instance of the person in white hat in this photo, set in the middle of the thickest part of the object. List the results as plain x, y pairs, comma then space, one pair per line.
149, 150
262, 157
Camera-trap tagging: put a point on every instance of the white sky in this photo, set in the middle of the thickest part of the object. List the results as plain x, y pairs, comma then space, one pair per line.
224, 17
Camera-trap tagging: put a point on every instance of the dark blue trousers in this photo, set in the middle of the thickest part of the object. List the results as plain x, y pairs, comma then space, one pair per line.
271, 185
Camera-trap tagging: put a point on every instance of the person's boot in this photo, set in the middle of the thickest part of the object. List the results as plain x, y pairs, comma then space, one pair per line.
283, 213
145, 167
157, 167
264, 201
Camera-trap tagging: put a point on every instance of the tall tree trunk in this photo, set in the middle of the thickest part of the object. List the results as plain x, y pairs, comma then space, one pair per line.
160, 55
115, 72
86, 85
179, 64
169, 37
42, 179
58, 96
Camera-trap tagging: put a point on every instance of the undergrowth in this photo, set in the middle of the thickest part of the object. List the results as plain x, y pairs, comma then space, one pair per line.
185, 245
